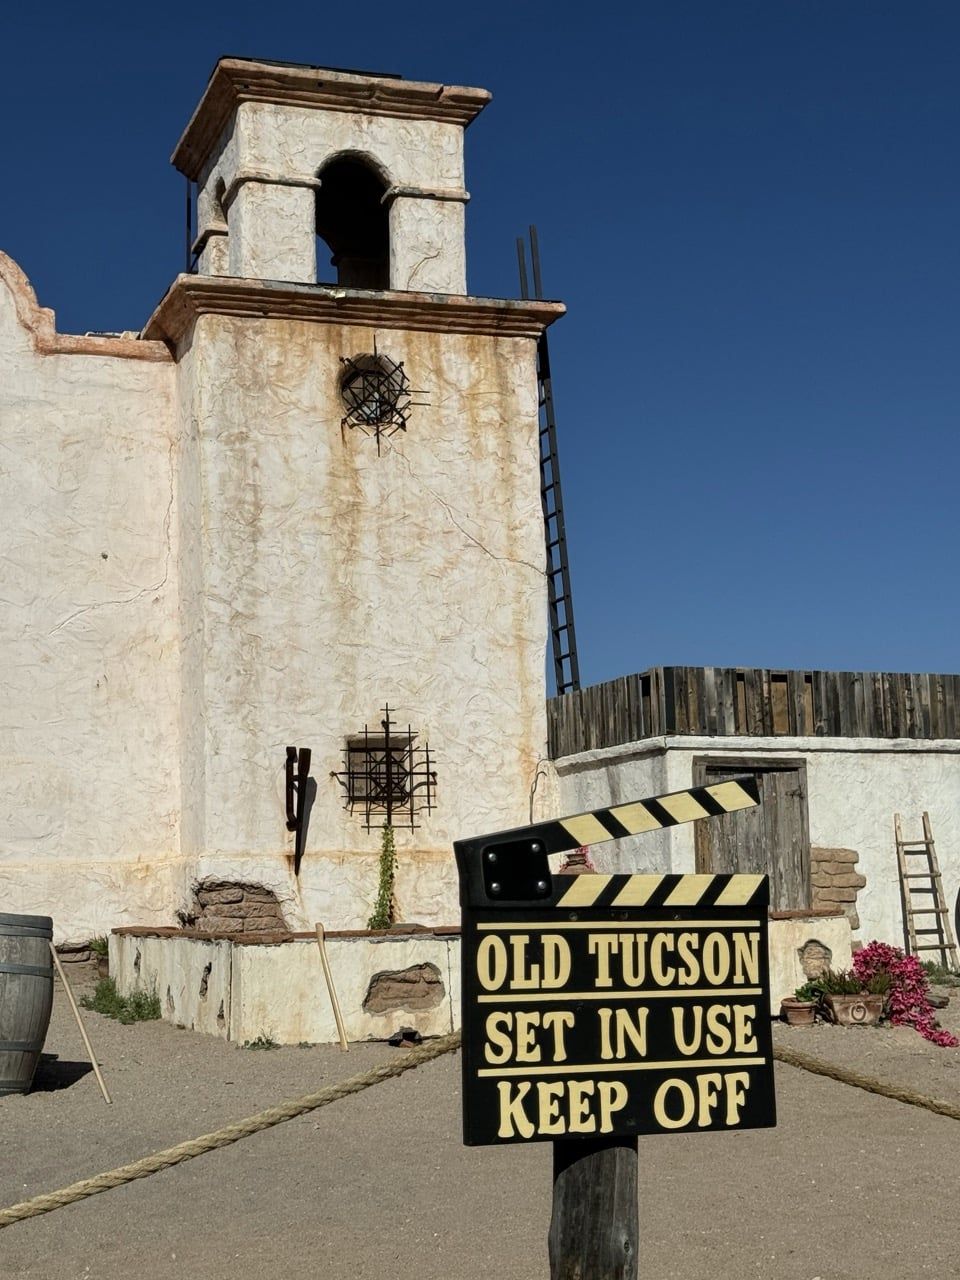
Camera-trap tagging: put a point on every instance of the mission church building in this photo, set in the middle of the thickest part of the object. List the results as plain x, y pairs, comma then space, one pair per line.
300, 507
300, 511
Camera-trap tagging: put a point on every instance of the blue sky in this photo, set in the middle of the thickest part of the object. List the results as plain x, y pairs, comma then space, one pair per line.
752, 211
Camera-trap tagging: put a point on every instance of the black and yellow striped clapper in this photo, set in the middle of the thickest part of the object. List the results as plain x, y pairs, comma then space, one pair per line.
640, 816
511, 866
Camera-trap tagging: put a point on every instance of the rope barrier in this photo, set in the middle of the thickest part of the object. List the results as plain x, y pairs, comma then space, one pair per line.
869, 1083
355, 1084
228, 1134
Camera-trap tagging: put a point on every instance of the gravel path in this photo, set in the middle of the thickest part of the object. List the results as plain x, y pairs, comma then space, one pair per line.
848, 1186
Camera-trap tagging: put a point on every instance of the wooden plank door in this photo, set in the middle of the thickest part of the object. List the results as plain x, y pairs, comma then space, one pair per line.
772, 840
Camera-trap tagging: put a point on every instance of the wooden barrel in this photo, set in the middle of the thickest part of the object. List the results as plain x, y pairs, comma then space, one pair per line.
26, 994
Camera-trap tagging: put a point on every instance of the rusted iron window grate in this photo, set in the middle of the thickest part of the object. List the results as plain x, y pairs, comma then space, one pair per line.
376, 394
387, 776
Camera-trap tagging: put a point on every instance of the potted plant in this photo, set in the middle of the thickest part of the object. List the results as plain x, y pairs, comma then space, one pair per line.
849, 1000
907, 991
799, 1010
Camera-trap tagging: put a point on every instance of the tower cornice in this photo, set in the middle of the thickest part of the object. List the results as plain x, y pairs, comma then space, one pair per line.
237, 80
192, 296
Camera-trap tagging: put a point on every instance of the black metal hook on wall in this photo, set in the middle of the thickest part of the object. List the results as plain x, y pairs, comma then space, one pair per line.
301, 791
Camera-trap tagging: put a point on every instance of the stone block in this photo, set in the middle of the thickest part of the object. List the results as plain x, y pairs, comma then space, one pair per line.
835, 869
221, 924
849, 880
219, 896
257, 893
836, 895
834, 855
264, 924
249, 909
414, 988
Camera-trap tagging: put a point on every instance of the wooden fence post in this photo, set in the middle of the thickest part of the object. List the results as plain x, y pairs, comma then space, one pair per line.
594, 1226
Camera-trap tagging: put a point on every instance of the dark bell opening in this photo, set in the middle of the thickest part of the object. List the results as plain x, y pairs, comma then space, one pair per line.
354, 225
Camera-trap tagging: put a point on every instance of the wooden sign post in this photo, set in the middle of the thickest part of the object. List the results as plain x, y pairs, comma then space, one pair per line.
600, 1007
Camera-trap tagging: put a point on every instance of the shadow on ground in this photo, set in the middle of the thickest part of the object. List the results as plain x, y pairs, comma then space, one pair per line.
54, 1073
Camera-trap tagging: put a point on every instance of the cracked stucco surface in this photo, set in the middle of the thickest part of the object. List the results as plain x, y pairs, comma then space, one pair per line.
200, 565
89, 683
335, 580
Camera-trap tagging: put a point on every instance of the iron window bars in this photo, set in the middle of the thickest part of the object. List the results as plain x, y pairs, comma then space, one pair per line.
388, 776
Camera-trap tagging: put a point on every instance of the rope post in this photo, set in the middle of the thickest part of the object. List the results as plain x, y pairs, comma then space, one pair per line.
338, 1017
83, 1031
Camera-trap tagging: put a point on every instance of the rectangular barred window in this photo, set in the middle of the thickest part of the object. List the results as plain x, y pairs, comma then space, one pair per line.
387, 777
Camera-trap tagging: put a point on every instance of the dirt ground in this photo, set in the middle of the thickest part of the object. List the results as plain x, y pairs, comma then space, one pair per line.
848, 1186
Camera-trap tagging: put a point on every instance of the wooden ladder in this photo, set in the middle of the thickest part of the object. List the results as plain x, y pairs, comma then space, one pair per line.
930, 882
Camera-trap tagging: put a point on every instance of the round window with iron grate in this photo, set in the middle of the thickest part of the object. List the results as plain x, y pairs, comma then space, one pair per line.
375, 393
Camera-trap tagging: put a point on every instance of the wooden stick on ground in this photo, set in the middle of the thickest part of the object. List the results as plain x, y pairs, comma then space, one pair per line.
330, 987
83, 1030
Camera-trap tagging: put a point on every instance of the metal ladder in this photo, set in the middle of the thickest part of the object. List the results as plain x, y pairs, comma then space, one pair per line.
563, 635
931, 883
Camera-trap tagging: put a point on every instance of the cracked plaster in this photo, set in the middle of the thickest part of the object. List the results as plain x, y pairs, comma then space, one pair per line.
202, 565
90, 679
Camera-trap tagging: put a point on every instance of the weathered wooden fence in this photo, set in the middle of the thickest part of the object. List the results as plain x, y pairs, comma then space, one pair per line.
754, 702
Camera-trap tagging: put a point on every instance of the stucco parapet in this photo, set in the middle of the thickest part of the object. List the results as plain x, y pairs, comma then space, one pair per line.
610, 755
191, 296
236, 80
40, 323
783, 745
780, 745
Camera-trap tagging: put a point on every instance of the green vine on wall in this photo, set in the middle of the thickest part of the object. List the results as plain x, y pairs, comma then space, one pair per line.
385, 911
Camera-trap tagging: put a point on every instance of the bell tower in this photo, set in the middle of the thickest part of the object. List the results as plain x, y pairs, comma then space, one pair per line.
358, 515
367, 169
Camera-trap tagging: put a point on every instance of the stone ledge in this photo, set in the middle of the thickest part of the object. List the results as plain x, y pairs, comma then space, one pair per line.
192, 296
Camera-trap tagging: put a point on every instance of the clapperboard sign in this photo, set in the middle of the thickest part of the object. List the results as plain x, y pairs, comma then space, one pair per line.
603, 1005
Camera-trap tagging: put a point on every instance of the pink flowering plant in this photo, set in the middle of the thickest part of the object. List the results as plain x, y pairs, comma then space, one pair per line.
906, 997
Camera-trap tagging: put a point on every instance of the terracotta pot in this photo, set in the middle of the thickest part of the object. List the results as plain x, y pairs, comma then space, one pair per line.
855, 1011
798, 1013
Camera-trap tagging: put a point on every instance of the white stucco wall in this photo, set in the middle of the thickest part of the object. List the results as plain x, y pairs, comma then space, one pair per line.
203, 565
296, 141
272, 235
854, 785
242, 992
89, 676
335, 580
427, 245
